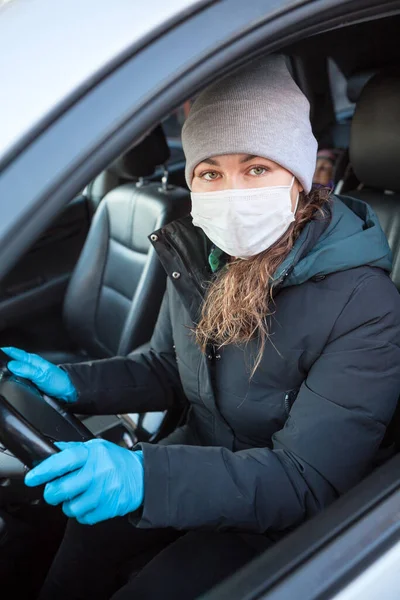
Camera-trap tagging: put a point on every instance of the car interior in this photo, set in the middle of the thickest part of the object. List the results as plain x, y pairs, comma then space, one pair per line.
91, 286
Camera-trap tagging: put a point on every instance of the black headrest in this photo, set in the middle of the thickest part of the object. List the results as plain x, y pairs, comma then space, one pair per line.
375, 133
142, 159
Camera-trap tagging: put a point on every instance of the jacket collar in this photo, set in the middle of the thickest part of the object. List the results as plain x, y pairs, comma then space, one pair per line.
306, 241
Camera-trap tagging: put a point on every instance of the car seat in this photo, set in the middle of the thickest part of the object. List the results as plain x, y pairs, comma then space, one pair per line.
375, 155
115, 292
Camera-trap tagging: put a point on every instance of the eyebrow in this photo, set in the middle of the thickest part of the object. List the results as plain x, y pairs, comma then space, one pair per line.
248, 157
215, 163
211, 161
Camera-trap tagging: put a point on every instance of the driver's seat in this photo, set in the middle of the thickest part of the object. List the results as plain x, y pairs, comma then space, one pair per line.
115, 291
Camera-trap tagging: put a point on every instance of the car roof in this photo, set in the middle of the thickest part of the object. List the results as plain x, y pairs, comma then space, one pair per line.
51, 49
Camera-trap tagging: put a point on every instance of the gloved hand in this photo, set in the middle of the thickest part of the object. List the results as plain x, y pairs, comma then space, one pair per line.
48, 377
98, 480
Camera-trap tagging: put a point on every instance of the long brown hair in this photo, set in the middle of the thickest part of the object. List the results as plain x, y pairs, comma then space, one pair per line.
240, 298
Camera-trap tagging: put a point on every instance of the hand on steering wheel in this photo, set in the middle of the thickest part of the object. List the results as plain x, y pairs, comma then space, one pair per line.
49, 378
94, 481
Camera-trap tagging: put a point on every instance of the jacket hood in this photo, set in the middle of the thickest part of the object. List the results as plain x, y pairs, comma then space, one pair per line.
354, 238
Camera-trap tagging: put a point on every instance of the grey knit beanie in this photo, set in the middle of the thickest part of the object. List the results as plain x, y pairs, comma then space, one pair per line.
258, 110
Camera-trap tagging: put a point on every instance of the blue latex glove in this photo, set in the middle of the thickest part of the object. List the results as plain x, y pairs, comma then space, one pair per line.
52, 380
94, 481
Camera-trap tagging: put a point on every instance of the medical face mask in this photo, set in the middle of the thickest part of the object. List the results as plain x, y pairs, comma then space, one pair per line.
244, 222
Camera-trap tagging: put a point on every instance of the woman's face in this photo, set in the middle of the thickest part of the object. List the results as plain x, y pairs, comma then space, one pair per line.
241, 171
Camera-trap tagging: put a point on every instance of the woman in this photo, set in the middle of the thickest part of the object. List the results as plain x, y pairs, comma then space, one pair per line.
280, 328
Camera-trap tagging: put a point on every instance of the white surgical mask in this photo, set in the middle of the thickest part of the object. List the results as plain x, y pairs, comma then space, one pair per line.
244, 222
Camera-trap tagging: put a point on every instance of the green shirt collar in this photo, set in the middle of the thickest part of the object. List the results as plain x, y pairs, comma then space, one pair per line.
217, 258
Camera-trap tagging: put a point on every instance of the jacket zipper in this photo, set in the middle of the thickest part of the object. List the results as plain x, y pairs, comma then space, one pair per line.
289, 400
287, 404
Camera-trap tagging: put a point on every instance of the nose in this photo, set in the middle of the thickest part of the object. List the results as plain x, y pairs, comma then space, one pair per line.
233, 181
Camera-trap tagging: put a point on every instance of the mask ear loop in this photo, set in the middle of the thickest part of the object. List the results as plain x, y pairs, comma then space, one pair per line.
290, 195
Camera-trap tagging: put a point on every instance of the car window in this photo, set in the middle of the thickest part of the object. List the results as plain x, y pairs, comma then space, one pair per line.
338, 82
172, 126
173, 123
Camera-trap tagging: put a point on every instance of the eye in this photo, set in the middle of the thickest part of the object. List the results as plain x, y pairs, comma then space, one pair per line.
257, 171
209, 175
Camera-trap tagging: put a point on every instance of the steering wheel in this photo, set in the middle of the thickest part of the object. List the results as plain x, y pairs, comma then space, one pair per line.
30, 423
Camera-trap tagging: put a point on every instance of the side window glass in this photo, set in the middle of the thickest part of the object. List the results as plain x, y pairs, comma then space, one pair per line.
172, 126
344, 109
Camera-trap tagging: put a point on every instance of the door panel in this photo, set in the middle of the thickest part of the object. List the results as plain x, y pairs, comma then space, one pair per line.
36, 286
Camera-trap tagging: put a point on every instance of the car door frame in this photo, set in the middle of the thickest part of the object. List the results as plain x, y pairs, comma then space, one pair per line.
127, 102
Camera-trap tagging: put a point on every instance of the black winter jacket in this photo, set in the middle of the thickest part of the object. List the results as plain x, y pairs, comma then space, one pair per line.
264, 454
